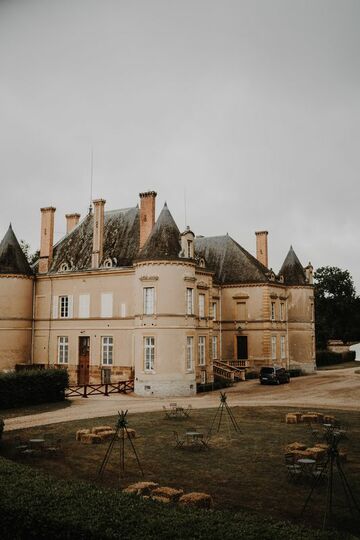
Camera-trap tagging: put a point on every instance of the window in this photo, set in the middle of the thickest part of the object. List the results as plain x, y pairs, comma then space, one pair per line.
273, 311
241, 311
202, 305
214, 347
189, 301
149, 295
63, 350
189, 250
107, 345
202, 350
84, 306
64, 307
273, 347
312, 312
203, 377
189, 352
282, 348
149, 353
214, 311
282, 311
106, 305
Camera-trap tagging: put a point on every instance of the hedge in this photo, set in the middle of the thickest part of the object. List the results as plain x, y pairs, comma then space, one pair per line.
330, 358
34, 505
32, 387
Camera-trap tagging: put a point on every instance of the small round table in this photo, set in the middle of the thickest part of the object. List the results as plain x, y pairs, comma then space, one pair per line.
307, 466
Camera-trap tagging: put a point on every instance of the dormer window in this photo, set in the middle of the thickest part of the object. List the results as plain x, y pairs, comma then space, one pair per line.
187, 243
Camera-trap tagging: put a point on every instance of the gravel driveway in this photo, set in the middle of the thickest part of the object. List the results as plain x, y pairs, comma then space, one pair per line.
332, 389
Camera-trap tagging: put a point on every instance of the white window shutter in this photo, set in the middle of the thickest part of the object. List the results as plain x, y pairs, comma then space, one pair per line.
55, 306
70, 300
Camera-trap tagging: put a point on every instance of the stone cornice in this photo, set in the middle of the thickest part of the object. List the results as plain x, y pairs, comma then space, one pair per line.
17, 276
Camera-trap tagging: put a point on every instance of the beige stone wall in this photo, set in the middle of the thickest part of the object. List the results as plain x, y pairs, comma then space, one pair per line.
15, 320
301, 328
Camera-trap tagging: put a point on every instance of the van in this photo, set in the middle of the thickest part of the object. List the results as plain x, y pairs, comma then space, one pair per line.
273, 375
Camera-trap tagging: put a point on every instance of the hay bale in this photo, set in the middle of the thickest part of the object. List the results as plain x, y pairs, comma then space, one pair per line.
98, 429
322, 445
300, 454
168, 492
131, 434
141, 488
291, 419
298, 415
161, 499
106, 435
317, 453
90, 438
80, 433
295, 446
309, 418
196, 500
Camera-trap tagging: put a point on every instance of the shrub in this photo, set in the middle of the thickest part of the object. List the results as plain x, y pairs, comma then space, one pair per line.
216, 385
32, 387
33, 505
330, 358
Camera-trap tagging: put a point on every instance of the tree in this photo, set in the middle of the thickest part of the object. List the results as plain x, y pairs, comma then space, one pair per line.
31, 257
337, 307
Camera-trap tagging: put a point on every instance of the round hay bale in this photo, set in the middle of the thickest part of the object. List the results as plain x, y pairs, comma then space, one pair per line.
291, 418
295, 446
90, 438
168, 492
317, 453
98, 429
161, 499
130, 434
106, 435
141, 488
80, 433
196, 500
322, 445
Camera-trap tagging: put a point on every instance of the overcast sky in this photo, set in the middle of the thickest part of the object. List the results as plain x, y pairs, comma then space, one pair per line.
250, 107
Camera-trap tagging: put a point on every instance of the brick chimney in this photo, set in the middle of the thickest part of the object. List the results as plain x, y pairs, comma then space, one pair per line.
47, 238
98, 233
262, 247
71, 221
147, 215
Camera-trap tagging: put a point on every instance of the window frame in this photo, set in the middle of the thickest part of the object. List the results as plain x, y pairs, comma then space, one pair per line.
107, 351
272, 311
214, 311
201, 301
189, 359
273, 347
189, 301
282, 347
63, 350
214, 352
148, 301
202, 351
64, 308
149, 348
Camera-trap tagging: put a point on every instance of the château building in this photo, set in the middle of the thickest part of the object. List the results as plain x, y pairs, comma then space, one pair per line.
123, 295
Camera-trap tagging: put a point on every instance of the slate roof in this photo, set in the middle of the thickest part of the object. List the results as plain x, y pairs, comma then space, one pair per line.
121, 241
292, 270
12, 257
230, 262
164, 240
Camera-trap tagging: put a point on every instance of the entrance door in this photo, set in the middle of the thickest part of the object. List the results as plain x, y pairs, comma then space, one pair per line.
84, 357
242, 347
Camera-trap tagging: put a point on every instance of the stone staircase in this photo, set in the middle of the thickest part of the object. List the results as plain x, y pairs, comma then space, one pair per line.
230, 370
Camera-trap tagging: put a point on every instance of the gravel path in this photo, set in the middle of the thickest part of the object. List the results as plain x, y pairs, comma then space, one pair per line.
332, 389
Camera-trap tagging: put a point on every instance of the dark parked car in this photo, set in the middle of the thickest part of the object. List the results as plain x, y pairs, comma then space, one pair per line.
274, 375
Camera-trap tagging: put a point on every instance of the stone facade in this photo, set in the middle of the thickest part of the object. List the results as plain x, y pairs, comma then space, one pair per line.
122, 296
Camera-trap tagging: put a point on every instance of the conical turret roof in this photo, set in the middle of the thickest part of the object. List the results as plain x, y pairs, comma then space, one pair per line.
292, 270
164, 239
12, 257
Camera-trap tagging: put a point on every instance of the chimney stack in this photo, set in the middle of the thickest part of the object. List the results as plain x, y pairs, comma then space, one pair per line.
147, 215
71, 221
98, 233
47, 238
262, 247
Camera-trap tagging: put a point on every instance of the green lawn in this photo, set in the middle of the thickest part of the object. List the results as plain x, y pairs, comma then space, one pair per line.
245, 472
